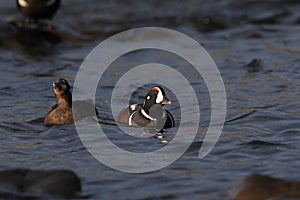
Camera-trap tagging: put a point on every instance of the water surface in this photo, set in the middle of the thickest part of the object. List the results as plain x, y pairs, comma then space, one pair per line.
254, 44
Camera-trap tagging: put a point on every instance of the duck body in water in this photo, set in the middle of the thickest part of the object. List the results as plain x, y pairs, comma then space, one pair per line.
151, 114
61, 113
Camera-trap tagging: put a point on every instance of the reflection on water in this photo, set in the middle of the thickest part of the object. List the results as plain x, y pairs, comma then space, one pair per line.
255, 45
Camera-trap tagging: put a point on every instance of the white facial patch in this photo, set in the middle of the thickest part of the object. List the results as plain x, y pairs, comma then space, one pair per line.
159, 97
23, 3
148, 97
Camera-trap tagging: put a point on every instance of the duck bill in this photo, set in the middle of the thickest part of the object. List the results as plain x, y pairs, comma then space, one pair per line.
166, 101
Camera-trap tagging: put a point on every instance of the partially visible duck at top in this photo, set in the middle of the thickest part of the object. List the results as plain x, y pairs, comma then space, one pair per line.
62, 113
35, 10
149, 114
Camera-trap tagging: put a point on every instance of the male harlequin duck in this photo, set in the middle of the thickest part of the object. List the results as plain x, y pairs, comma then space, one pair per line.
151, 113
35, 10
62, 112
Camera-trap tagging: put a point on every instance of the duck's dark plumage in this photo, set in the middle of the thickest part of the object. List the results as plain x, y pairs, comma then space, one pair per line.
151, 113
38, 9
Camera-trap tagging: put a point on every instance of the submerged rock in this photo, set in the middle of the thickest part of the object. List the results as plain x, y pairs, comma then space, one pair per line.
262, 187
35, 184
256, 65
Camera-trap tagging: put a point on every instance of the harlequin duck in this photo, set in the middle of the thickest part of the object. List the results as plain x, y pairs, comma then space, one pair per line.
151, 113
35, 10
62, 113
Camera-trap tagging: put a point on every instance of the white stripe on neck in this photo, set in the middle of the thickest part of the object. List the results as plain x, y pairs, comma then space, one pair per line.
130, 119
146, 115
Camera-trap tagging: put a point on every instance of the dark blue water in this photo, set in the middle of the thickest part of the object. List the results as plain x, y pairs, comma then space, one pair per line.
255, 46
